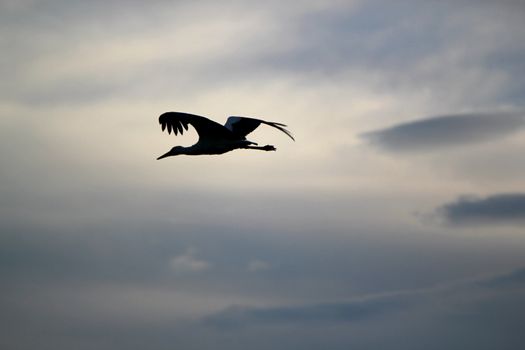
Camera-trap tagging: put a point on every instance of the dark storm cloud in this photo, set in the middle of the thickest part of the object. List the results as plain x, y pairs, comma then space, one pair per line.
495, 209
445, 131
238, 316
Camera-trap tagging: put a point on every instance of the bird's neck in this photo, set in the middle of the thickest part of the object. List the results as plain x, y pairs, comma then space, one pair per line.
191, 150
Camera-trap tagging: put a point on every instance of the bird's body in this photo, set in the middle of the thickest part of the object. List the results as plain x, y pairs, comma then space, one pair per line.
215, 138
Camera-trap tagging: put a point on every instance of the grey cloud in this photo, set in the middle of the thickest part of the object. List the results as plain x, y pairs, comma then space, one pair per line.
96, 253
513, 279
380, 38
238, 316
506, 208
445, 131
359, 310
457, 316
77, 263
368, 36
38, 39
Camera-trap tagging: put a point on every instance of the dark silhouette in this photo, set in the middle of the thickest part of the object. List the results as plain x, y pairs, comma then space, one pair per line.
215, 138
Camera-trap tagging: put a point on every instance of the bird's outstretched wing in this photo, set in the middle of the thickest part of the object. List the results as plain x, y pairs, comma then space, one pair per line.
207, 129
242, 126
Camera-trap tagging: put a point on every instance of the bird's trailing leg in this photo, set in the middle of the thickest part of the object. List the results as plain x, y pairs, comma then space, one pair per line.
263, 148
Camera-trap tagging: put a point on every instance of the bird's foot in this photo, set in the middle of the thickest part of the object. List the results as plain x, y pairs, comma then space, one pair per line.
269, 148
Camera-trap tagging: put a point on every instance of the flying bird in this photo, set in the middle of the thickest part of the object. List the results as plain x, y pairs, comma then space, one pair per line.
215, 138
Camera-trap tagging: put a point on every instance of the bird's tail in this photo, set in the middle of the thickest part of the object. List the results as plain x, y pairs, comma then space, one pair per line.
281, 127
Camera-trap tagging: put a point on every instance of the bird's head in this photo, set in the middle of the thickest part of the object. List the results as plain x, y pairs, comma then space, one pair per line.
175, 151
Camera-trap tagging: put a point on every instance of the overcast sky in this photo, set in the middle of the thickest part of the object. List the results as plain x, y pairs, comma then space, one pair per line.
395, 221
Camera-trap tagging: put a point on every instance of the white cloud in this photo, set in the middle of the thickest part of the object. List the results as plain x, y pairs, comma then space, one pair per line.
187, 263
258, 265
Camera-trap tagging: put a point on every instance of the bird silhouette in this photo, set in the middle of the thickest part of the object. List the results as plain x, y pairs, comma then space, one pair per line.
215, 138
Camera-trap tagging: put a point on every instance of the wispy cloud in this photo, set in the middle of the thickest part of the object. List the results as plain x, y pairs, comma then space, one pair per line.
515, 278
508, 208
238, 316
258, 265
407, 304
187, 263
445, 131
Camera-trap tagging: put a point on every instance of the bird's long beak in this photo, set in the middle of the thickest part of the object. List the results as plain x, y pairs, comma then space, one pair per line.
164, 155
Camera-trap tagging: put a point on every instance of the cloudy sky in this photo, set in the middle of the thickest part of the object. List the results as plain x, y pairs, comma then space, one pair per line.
395, 221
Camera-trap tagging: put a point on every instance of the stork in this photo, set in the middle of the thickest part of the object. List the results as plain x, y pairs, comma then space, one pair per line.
215, 138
